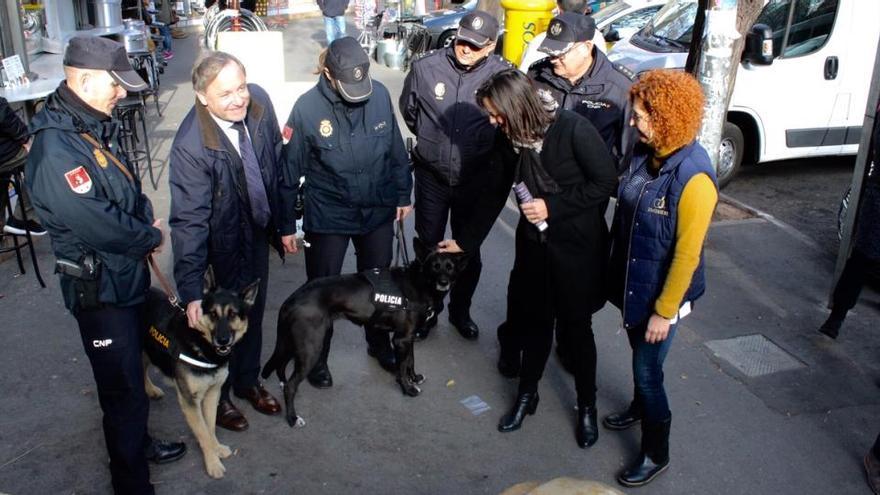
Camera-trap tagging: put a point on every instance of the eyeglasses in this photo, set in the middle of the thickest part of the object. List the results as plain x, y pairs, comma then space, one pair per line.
637, 117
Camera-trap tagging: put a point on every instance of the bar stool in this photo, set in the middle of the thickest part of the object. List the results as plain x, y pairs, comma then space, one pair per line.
145, 64
12, 172
132, 116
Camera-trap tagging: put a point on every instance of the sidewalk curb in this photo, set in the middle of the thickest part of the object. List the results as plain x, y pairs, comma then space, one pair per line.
797, 234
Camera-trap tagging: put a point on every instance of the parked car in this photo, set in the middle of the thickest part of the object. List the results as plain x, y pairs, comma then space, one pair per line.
442, 24
620, 20
802, 86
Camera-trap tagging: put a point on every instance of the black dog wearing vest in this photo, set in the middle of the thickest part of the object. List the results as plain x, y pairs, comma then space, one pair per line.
197, 359
307, 314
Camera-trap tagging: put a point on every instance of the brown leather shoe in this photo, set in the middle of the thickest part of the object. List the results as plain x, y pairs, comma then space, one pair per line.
260, 398
229, 417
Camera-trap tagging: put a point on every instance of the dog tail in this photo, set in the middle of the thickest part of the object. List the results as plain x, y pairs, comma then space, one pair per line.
270, 366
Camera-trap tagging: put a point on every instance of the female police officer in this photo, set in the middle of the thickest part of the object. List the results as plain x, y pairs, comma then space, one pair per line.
345, 141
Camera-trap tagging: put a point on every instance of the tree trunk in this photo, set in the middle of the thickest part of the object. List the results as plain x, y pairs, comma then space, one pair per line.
491, 6
747, 12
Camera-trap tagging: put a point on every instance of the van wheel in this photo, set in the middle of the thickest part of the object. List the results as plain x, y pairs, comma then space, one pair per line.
446, 38
730, 153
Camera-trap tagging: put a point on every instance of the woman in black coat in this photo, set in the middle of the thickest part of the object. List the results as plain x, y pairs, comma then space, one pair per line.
558, 269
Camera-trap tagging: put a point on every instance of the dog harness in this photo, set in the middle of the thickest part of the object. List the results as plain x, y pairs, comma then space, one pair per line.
386, 293
168, 345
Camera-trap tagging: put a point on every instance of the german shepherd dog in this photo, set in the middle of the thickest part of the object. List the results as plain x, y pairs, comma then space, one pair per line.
307, 314
197, 360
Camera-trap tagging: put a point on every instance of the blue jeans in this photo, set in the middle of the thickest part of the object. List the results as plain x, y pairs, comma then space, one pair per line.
165, 31
335, 27
647, 367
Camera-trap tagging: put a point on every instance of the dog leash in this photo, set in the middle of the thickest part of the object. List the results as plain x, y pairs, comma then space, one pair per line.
173, 298
402, 251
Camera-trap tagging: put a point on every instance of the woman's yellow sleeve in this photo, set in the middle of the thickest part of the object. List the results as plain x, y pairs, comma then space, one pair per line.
694, 216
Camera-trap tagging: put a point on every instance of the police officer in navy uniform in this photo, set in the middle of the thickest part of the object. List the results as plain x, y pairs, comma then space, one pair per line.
102, 230
454, 142
345, 141
579, 77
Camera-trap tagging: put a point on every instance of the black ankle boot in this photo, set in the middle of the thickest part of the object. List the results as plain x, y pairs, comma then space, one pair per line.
586, 430
653, 458
525, 403
832, 325
624, 419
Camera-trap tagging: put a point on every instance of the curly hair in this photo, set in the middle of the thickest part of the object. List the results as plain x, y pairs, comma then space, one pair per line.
674, 102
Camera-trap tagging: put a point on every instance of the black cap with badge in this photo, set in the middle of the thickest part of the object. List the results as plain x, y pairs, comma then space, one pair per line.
565, 30
478, 28
97, 53
350, 67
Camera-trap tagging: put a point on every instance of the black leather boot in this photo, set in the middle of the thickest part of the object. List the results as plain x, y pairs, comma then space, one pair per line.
653, 458
526, 403
623, 419
320, 376
586, 431
831, 327
160, 452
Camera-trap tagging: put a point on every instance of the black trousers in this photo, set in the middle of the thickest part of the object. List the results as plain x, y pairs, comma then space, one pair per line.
244, 364
436, 203
326, 254
548, 285
849, 286
111, 338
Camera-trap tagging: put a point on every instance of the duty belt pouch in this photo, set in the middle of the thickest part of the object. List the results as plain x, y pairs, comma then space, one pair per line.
85, 280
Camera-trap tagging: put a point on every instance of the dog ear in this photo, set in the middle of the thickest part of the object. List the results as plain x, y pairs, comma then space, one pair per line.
249, 294
420, 249
461, 261
210, 283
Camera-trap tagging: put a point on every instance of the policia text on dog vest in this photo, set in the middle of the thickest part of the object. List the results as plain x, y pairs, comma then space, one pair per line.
386, 293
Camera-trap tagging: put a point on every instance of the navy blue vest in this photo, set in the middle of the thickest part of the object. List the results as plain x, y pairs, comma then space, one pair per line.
651, 236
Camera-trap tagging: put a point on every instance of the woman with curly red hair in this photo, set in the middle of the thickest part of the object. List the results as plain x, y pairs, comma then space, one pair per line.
664, 208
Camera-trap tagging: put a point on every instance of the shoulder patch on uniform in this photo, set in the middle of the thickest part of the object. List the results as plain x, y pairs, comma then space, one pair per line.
78, 179
625, 71
287, 133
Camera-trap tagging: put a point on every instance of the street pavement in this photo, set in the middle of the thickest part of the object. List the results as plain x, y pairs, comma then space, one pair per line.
762, 403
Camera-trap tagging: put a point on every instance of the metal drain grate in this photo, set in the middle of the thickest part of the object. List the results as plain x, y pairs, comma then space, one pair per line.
754, 355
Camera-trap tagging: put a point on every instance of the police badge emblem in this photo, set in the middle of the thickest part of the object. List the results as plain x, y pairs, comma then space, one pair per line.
325, 128
439, 91
100, 158
477, 23
358, 73
78, 179
556, 28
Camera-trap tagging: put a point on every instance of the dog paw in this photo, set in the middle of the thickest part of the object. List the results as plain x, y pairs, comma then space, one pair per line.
296, 421
418, 379
214, 467
223, 451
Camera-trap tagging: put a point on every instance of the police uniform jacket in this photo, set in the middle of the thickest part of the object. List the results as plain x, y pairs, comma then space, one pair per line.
601, 95
352, 156
439, 106
210, 215
89, 199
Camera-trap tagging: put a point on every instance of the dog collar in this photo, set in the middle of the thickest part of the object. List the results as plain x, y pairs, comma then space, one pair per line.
201, 364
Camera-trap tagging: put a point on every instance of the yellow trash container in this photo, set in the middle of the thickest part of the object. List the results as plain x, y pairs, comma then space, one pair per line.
523, 20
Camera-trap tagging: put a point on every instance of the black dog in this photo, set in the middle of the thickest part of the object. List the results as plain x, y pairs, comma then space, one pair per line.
197, 359
307, 314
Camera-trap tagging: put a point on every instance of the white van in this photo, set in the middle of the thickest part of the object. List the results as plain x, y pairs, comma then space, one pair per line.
807, 99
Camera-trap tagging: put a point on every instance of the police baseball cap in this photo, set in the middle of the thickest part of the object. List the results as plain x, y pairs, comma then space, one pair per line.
350, 67
565, 30
478, 28
95, 52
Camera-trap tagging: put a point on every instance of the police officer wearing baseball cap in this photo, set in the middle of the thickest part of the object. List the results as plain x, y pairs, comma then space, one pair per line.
344, 139
454, 140
578, 76
102, 227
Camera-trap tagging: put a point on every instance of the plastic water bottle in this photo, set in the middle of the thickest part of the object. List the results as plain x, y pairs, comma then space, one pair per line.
524, 196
